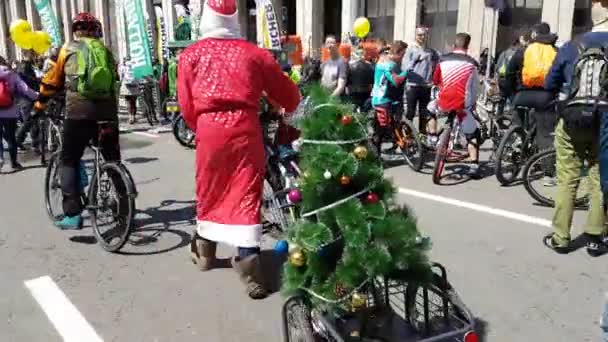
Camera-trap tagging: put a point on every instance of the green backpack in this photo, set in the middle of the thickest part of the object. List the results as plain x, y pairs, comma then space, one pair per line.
96, 74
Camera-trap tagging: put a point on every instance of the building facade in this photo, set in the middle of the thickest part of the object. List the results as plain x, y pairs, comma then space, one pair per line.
312, 20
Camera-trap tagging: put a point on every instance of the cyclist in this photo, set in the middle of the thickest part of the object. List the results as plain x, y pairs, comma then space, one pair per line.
525, 76
457, 78
389, 83
576, 134
88, 101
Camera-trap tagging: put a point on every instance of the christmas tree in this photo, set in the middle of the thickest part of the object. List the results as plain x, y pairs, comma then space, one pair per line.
351, 229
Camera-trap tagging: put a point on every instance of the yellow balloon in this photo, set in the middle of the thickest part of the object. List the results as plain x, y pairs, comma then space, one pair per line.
362, 27
20, 25
41, 42
23, 40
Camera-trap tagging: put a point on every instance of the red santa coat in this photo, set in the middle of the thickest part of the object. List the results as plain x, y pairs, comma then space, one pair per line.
220, 82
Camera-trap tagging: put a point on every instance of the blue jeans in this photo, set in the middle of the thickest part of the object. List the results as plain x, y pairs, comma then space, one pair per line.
248, 251
603, 157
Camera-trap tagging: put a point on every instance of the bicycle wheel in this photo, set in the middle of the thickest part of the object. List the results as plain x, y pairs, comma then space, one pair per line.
53, 197
441, 153
510, 155
111, 206
540, 180
182, 133
148, 112
410, 144
297, 321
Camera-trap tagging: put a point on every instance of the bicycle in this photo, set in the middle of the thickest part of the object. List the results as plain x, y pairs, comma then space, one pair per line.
280, 177
107, 176
402, 133
50, 128
516, 147
542, 167
182, 133
446, 150
490, 108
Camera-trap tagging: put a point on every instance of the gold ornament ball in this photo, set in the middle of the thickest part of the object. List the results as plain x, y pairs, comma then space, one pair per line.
358, 301
297, 258
360, 152
345, 180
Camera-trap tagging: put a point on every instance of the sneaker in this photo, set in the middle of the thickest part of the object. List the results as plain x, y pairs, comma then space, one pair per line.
595, 246
473, 171
70, 223
552, 244
549, 182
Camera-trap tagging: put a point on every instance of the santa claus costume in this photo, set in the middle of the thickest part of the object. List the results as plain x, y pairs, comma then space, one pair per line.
220, 81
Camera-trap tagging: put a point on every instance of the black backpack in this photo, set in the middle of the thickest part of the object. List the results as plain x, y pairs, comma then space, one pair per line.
588, 89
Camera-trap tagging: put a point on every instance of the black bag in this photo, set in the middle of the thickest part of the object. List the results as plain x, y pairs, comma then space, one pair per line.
588, 92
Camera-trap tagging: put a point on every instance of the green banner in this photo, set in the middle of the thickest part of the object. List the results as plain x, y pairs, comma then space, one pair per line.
137, 37
49, 21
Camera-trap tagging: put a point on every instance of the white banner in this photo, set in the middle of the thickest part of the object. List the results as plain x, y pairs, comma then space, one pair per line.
161, 29
269, 24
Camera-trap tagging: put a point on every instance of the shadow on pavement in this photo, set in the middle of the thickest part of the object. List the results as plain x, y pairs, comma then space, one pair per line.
140, 160
481, 328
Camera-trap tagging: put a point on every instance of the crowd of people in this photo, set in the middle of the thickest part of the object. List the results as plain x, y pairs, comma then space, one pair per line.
221, 78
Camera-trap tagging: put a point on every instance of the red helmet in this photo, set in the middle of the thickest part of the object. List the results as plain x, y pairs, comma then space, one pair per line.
85, 22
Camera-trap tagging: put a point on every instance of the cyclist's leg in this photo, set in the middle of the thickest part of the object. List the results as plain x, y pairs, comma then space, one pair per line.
76, 136
411, 99
470, 128
426, 120
110, 143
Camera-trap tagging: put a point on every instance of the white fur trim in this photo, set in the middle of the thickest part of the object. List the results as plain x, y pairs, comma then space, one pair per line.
232, 234
216, 25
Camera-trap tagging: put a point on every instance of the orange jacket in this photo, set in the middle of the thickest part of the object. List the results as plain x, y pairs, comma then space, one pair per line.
54, 79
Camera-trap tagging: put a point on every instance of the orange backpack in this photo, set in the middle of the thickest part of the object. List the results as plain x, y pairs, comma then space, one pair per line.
538, 59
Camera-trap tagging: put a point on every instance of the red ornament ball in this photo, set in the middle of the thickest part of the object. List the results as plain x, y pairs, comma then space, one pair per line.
346, 120
295, 196
372, 198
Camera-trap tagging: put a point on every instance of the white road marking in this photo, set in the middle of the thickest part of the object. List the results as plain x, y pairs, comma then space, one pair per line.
64, 316
478, 207
146, 134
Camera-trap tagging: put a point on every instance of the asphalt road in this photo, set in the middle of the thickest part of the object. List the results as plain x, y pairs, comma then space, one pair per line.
488, 237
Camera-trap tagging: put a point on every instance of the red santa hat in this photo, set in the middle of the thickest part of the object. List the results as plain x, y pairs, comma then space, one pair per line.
220, 19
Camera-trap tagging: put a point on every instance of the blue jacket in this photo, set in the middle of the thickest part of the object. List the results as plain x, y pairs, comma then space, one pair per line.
560, 75
559, 79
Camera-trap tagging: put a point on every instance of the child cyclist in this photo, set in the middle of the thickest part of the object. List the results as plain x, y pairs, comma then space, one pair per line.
389, 82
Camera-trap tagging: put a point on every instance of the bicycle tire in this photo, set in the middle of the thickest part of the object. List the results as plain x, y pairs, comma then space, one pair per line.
148, 113
415, 161
179, 125
297, 321
502, 152
126, 205
441, 153
52, 183
579, 202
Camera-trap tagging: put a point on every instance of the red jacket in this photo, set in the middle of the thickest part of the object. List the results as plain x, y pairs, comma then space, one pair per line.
457, 78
